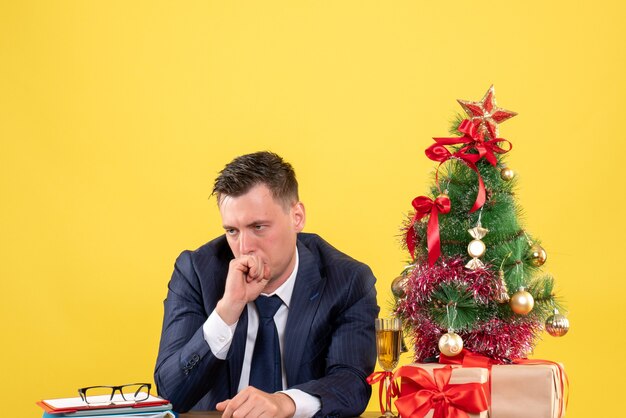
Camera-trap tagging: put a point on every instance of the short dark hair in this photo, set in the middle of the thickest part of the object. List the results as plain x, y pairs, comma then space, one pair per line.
247, 171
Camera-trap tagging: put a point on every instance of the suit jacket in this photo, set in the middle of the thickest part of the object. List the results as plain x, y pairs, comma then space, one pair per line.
329, 337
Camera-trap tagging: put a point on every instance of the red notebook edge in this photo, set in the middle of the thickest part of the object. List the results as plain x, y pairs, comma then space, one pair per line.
51, 410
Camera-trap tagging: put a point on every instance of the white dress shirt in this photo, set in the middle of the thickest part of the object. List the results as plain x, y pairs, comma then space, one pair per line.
219, 336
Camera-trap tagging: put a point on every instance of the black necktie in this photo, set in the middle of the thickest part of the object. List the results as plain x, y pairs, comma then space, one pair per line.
265, 371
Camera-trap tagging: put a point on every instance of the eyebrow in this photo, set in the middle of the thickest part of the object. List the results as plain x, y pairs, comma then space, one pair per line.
253, 223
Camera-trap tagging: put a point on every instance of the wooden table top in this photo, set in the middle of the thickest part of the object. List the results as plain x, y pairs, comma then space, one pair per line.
215, 414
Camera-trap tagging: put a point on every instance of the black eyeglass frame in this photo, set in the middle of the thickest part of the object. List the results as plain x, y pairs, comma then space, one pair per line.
83, 392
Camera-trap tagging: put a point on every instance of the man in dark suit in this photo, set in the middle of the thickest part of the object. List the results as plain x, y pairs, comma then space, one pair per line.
310, 354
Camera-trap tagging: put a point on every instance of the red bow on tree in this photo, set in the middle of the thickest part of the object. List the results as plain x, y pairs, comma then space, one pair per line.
424, 206
473, 140
446, 400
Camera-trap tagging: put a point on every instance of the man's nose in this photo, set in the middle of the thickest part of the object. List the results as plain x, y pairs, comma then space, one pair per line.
246, 243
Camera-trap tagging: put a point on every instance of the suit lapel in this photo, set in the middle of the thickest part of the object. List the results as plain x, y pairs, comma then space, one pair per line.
305, 299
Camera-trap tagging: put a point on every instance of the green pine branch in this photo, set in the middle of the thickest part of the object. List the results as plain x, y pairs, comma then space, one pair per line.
454, 307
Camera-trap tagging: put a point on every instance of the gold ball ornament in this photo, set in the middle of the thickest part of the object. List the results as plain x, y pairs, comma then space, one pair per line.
537, 255
557, 325
522, 302
507, 174
450, 344
398, 286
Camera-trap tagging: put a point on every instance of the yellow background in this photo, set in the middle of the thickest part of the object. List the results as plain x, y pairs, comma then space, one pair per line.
115, 117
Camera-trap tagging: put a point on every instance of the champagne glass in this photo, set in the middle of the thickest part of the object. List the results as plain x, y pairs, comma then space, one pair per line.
388, 347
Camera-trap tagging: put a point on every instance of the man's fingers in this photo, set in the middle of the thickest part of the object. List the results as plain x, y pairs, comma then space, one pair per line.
245, 409
253, 403
248, 266
232, 405
258, 270
220, 406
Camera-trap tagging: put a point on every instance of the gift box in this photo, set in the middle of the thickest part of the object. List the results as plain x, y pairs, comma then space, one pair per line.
532, 389
426, 388
523, 390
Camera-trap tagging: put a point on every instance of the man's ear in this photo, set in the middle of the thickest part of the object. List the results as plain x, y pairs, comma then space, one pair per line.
298, 216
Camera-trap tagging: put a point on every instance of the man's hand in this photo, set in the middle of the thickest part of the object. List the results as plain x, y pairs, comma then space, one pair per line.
252, 402
247, 277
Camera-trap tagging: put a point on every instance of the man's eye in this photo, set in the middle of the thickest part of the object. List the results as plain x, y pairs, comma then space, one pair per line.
231, 231
259, 227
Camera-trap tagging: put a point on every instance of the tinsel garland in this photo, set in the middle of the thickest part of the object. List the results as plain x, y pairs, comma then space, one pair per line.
500, 338
424, 280
503, 340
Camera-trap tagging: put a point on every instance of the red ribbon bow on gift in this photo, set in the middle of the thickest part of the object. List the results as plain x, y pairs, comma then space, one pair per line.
423, 206
446, 400
392, 390
474, 140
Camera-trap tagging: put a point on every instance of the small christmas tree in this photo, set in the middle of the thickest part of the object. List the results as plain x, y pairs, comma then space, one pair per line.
475, 280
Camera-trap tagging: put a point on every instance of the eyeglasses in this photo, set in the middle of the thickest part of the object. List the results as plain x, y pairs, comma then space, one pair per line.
106, 395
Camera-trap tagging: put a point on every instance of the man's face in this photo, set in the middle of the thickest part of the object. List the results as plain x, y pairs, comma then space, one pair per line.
257, 224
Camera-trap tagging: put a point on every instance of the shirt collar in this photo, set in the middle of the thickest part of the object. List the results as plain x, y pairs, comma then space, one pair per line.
285, 290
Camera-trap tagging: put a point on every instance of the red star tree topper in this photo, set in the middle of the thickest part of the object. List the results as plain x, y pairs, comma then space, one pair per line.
486, 114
